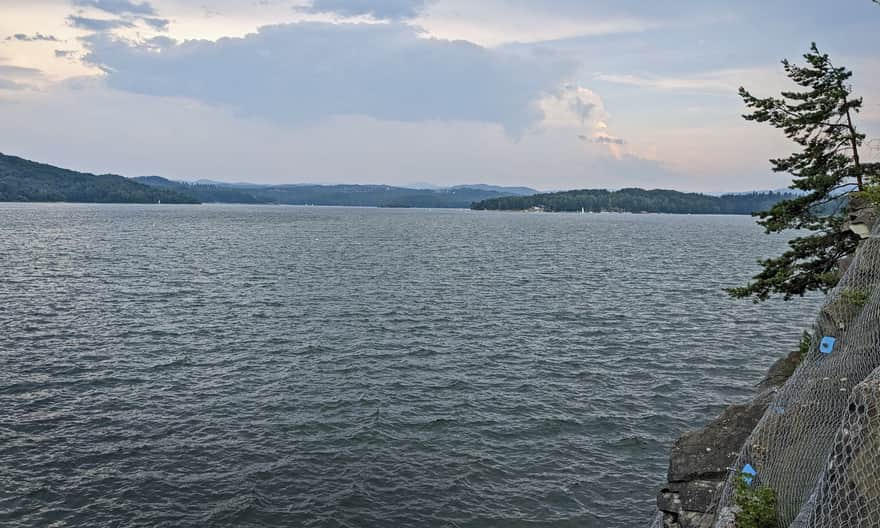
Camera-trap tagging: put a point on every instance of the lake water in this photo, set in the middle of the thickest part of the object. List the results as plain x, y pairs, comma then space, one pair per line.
332, 367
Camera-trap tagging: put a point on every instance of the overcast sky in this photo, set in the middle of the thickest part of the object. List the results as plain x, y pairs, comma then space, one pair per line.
551, 94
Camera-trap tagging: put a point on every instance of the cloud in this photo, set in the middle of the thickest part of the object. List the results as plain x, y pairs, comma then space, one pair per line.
308, 71
118, 7
159, 24
582, 112
702, 84
516, 22
6, 84
581, 108
22, 37
64, 54
212, 142
126, 14
19, 71
710, 82
380, 9
159, 42
575, 107
97, 24
607, 140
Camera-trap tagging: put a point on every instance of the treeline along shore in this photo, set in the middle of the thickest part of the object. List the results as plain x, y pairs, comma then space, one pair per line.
636, 201
23, 180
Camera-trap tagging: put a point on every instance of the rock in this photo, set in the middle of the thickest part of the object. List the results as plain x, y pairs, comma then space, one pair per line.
700, 459
695, 520
780, 371
693, 496
863, 217
690, 460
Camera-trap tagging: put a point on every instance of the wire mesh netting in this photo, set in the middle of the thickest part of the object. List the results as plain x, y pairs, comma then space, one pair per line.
818, 444
848, 493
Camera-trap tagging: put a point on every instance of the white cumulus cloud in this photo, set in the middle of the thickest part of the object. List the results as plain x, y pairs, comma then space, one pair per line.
306, 71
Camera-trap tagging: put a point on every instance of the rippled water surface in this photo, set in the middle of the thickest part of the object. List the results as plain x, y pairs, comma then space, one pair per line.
330, 367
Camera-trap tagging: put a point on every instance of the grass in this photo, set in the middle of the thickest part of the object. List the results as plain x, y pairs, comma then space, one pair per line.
855, 296
805, 344
757, 506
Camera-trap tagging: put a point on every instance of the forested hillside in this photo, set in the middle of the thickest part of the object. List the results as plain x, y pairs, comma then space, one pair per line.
28, 181
205, 192
22, 180
344, 195
636, 201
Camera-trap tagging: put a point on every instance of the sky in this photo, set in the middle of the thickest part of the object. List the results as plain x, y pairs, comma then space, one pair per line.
551, 94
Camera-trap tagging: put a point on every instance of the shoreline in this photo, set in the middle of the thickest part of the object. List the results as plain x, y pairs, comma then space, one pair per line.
328, 206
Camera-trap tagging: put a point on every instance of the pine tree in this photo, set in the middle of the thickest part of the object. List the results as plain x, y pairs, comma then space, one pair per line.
828, 170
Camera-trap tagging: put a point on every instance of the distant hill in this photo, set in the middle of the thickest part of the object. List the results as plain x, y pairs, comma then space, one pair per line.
27, 181
22, 180
206, 192
344, 195
509, 191
637, 201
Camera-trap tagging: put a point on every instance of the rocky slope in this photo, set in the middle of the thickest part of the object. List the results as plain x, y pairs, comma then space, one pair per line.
699, 461
823, 478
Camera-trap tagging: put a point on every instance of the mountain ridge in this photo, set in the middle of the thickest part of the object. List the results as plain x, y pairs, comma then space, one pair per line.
365, 195
29, 181
23, 180
635, 200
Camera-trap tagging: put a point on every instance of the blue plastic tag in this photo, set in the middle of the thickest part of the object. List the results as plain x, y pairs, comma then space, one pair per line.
827, 345
748, 474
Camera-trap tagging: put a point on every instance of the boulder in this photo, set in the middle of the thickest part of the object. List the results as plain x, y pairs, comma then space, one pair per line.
863, 217
700, 460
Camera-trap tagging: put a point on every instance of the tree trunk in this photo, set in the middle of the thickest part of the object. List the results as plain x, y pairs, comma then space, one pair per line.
853, 139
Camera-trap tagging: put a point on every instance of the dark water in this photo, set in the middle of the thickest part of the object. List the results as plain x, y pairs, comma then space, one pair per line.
276, 366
